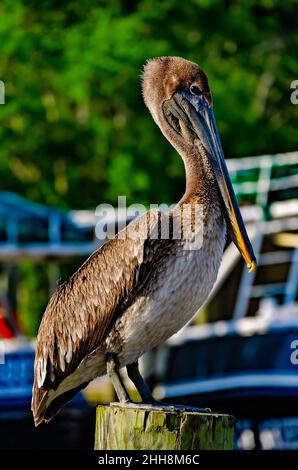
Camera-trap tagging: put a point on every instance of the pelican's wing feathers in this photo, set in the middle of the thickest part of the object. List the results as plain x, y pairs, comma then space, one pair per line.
82, 311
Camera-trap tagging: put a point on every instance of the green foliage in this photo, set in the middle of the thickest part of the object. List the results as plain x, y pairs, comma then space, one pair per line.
32, 295
74, 131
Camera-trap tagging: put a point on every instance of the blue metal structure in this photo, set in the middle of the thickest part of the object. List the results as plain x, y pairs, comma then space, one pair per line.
16, 378
33, 230
29, 230
243, 366
246, 368
72, 429
16, 375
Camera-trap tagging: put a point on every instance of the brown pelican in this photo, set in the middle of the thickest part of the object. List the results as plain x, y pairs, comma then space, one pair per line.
138, 289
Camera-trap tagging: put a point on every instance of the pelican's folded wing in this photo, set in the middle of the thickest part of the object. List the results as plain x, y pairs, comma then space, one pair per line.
82, 311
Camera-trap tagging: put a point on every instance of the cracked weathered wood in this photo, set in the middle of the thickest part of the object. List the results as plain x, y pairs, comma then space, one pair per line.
137, 429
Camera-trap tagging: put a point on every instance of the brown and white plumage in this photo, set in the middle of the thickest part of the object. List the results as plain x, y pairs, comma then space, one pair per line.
83, 309
137, 290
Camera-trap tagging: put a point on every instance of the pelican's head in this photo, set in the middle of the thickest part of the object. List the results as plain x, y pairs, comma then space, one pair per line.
177, 93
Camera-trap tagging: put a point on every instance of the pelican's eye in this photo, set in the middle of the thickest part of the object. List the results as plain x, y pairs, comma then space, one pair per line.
195, 90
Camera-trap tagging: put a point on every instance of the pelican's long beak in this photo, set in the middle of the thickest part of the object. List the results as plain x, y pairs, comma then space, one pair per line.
200, 119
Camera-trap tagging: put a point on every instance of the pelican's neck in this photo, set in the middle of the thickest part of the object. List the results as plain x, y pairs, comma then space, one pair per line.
193, 173
200, 181
201, 196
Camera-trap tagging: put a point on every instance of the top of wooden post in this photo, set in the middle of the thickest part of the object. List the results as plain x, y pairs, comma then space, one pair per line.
119, 428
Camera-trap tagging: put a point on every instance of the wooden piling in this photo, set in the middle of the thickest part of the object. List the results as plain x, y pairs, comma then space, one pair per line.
139, 429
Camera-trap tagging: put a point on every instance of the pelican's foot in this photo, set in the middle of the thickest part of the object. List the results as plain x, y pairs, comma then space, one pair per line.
136, 405
122, 404
148, 402
143, 406
179, 408
185, 408
158, 406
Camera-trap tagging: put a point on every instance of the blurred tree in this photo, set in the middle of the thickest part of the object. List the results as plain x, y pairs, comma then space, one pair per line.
74, 130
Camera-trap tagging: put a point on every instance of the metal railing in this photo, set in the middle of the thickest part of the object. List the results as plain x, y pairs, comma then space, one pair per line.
265, 182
